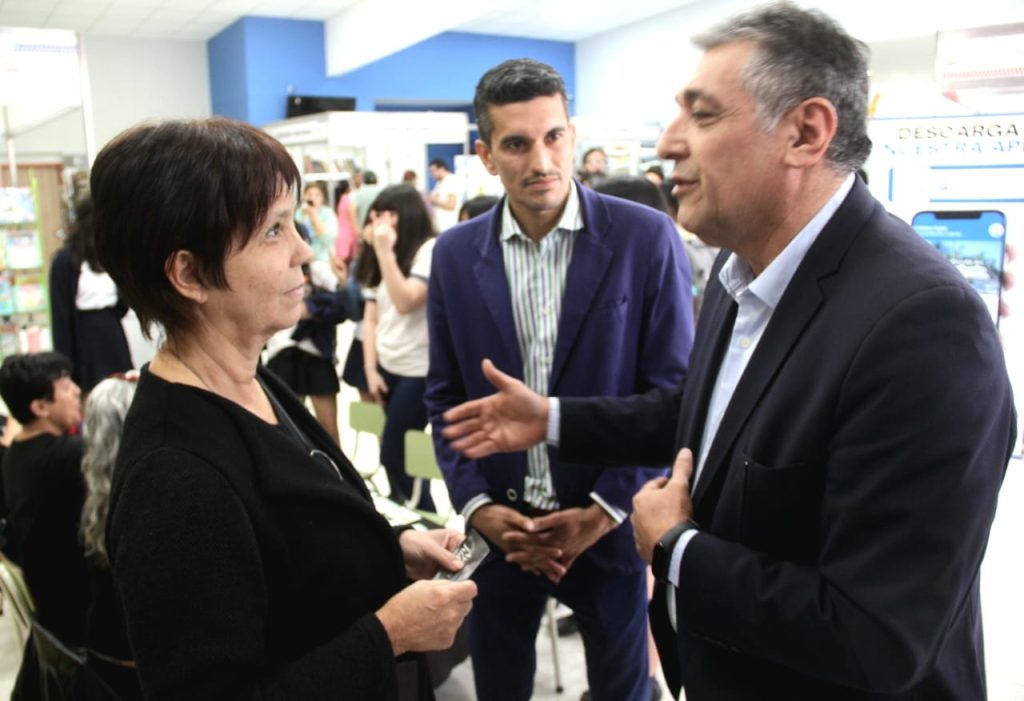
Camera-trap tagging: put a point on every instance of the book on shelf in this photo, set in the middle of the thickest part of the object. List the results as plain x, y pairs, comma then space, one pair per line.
22, 249
29, 292
9, 343
17, 206
6, 294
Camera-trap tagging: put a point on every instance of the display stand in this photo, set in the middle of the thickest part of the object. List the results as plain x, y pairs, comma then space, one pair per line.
330, 146
629, 147
24, 301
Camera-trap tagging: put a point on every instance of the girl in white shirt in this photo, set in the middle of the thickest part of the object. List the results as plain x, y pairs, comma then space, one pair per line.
394, 271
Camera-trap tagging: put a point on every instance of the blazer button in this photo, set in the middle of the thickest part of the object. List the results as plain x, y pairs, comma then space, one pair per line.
511, 494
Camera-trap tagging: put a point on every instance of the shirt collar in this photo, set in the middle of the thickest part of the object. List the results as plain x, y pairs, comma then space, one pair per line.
737, 276
571, 219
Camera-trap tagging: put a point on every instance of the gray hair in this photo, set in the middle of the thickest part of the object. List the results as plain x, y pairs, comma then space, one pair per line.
803, 54
104, 418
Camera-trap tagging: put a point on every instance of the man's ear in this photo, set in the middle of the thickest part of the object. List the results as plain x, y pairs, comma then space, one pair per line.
181, 270
811, 126
40, 408
484, 151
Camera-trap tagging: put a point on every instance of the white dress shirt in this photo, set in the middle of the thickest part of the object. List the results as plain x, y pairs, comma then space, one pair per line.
756, 299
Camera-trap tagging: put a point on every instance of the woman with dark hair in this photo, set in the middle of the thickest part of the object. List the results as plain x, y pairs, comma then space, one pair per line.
394, 270
476, 206
85, 310
634, 189
245, 547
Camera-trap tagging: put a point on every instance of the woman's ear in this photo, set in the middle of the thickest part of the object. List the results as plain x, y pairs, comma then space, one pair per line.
182, 272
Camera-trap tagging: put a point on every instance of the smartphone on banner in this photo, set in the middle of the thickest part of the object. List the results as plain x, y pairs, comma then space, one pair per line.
974, 242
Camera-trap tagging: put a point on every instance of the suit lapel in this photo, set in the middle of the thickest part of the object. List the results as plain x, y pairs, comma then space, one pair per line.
489, 271
590, 260
788, 321
718, 315
799, 304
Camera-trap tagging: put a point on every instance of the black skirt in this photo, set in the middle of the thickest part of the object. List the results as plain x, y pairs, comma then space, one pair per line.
306, 374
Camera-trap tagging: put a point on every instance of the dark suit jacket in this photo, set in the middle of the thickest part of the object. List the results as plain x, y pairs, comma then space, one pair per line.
627, 290
247, 568
847, 498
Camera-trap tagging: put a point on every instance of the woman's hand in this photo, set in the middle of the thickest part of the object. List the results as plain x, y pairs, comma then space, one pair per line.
340, 269
426, 614
376, 385
426, 552
384, 233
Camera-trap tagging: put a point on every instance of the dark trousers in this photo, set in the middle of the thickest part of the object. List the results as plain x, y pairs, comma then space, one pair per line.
405, 410
610, 607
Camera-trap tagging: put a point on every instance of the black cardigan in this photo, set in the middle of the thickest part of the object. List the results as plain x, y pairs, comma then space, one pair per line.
247, 568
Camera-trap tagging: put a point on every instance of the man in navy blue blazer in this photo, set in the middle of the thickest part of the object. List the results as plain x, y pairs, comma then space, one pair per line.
575, 293
847, 420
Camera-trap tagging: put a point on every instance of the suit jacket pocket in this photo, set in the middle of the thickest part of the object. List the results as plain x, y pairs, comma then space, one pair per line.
780, 509
608, 305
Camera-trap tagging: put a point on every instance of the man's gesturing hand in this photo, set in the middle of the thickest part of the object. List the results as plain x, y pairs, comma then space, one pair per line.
512, 419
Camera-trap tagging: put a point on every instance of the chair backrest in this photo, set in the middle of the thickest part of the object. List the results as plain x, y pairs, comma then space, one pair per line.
17, 601
58, 664
64, 672
366, 416
420, 461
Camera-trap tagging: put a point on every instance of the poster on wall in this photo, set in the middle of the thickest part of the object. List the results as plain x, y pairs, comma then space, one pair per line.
934, 163
960, 182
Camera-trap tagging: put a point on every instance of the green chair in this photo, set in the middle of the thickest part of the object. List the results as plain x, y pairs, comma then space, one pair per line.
366, 417
421, 465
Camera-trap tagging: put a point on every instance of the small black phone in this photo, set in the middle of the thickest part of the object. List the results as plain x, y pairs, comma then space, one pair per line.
975, 242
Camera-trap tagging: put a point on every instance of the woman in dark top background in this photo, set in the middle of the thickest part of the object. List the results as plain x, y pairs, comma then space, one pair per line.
85, 309
245, 547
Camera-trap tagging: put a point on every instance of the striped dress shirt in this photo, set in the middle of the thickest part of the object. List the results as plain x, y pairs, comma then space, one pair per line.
536, 272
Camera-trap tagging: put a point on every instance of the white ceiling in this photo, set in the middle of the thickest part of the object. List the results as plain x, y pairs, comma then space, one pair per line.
201, 19
174, 19
563, 20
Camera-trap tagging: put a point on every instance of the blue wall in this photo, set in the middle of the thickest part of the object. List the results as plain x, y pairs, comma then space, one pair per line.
269, 56
229, 88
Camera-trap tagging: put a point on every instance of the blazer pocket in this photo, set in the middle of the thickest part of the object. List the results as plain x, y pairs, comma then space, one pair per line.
606, 306
780, 509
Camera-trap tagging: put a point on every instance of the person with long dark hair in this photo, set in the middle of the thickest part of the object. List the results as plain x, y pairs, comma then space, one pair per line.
85, 308
394, 271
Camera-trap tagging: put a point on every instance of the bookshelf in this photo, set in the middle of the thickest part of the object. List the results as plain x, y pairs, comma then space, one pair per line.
24, 299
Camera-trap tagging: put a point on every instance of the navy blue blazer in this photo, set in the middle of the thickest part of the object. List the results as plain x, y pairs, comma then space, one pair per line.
626, 326
846, 500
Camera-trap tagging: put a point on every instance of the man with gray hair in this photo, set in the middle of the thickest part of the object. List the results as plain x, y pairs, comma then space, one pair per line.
846, 423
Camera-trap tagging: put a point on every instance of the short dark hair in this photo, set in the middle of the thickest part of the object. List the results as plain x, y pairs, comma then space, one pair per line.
476, 206
803, 54
30, 376
201, 186
635, 189
369, 177
414, 227
439, 163
516, 80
